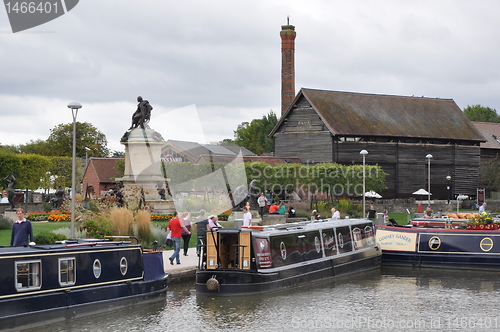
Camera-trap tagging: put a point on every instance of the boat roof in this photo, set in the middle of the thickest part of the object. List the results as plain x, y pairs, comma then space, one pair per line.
76, 244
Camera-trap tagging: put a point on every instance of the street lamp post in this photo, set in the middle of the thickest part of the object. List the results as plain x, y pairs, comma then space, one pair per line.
75, 106
429, 156
448, 178
364, 153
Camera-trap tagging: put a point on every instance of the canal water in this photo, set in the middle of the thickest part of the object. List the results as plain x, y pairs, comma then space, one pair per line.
389, 299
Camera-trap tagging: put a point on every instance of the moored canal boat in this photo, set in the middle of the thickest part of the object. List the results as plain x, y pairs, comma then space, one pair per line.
269, 258
440, 242
44, 284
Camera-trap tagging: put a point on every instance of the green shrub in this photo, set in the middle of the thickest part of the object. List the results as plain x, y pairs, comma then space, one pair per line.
47, 237
97, 228
5, 223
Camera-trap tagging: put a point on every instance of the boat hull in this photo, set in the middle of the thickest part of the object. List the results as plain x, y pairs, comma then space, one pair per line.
66, 306
45, 284
450, 248
272, 258
241, 282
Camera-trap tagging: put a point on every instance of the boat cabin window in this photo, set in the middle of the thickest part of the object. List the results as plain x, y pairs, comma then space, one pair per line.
28, 275
67, 272
97, 268
123, 265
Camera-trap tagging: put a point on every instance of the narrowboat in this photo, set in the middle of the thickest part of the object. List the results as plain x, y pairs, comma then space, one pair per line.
43, 284
269, 258
440, 242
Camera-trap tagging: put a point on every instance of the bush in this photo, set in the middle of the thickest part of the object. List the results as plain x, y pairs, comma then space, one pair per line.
97, 228
5, 223
121, 221
143, 223
47, 237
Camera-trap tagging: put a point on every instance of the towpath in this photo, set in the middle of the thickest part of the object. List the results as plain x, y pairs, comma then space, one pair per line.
184, 271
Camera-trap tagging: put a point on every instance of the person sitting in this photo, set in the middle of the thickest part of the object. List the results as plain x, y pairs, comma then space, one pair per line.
428, 213
315, 216
282, 208
335, 213
291, 212
273, 209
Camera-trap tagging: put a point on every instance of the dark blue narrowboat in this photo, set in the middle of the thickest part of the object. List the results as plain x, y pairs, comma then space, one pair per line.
270, 258
431, 243
43, 284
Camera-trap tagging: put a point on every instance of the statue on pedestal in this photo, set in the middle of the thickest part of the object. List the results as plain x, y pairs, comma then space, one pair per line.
142, 115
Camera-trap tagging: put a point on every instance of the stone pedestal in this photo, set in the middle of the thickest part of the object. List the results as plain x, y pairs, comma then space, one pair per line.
143, 169
10, 215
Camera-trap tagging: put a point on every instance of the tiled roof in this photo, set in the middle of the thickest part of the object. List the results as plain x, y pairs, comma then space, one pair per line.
271, 160
105, 168
491, 132
359, 114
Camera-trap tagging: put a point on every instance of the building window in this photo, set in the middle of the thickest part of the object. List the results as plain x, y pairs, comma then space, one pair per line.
123, 265
28, 275
67, 271
97, 268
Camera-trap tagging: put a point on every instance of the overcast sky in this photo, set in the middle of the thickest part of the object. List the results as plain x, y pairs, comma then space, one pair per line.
207, 66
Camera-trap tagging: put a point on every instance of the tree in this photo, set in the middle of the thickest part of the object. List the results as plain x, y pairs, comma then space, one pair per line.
60, 140
35, 147
481, 114
254, 135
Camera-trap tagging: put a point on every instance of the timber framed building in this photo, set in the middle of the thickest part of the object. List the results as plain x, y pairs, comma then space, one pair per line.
397, 131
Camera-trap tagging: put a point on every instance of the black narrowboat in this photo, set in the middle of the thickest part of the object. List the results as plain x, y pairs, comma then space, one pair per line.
429, 243
269, 258
43, 284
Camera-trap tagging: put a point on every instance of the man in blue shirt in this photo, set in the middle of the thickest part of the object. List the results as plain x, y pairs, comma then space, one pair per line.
21, 230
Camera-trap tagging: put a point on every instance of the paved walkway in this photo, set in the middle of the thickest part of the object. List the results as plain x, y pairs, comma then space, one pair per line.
184, 271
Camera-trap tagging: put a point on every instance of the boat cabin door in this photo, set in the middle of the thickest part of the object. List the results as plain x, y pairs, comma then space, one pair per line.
228, 249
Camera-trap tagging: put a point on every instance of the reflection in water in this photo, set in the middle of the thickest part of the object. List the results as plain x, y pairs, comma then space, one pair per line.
390, 299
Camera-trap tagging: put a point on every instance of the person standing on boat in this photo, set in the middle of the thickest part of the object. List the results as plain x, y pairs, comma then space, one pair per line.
213, 224
482, 208
175, 226
247, 217
262, 201
21, 231
186, 220
335, 213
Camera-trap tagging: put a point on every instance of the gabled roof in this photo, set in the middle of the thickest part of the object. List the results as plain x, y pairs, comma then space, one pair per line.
194, 150
359, 114
104, 168
491, 132
225, 159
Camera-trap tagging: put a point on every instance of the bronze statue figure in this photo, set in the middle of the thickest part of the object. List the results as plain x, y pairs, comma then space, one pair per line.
11, 189
57, 200
142, 114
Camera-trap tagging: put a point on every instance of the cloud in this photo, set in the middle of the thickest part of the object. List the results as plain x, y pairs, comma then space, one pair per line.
225, 59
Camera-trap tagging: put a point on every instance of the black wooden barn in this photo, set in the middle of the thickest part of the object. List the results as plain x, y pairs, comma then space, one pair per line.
397, 131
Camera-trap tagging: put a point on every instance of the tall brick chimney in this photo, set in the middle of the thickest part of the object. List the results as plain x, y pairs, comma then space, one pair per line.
287, 35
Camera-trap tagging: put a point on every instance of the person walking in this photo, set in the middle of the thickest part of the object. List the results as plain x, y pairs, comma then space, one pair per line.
186, 220
21, 230
175, 226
